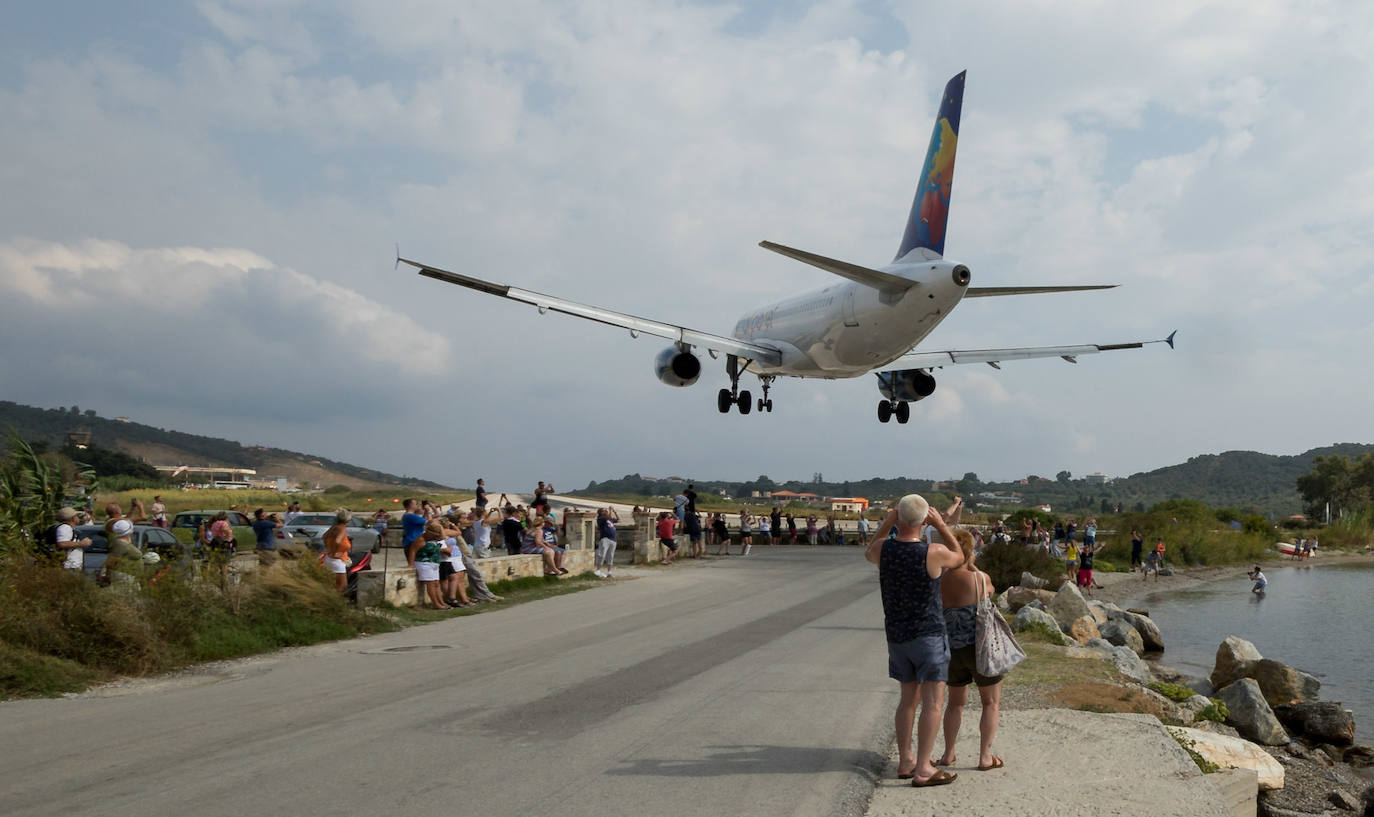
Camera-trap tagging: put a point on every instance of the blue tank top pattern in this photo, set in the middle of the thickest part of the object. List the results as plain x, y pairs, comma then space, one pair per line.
911, 599
962, 625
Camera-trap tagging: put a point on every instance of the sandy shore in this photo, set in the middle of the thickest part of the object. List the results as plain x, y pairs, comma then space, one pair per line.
1122, 588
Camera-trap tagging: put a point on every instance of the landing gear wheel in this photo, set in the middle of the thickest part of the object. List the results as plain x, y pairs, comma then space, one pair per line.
884, 411
762, 406
724, 400
902, 412
746, 402
768, 405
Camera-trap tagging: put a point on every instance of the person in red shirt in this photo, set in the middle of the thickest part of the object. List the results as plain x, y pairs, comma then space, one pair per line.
666, 523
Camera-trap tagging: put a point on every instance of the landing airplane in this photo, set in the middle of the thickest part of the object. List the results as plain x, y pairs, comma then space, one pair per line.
872, 323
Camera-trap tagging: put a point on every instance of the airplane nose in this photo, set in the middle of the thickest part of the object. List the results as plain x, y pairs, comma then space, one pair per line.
961, 275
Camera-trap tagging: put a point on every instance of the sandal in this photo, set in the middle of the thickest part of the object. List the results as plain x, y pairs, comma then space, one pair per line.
940, 778
995, 764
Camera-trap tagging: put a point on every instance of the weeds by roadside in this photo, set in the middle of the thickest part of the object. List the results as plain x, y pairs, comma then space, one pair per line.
59, 631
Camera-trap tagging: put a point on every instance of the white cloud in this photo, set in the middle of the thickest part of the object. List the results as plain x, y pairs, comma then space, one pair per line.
633, 153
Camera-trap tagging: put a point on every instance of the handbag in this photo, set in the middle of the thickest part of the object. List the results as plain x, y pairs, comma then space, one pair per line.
995, 648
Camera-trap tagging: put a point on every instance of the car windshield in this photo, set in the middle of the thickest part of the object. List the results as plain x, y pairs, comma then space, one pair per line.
314, 519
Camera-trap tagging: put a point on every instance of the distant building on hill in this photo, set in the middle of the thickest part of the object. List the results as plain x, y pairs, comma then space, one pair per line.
848, 504
1097, 478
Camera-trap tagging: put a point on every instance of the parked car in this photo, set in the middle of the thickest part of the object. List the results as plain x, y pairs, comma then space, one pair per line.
194, 519
310, 527
144, 537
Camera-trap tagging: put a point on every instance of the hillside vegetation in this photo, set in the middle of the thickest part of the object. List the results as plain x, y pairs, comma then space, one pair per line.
165, 447
1247, 481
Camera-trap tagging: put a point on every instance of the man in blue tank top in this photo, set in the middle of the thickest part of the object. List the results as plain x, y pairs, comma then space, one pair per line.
909, 573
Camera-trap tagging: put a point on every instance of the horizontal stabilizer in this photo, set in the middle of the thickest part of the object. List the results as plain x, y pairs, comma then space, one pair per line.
989, 292
883, 281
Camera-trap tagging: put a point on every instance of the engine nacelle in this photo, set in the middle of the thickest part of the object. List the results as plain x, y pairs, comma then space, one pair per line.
674, 367
907, 385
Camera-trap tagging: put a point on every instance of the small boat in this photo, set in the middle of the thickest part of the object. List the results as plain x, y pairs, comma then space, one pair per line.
1286, 548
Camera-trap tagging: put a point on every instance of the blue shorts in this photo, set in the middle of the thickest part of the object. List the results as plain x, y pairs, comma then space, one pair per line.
920, 659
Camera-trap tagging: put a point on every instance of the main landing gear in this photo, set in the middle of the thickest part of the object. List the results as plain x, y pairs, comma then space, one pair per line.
887, 409
734, 397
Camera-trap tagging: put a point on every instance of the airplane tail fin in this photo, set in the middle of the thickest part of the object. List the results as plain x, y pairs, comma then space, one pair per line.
925, 227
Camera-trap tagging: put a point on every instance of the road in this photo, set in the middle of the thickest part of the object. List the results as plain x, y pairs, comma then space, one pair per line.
746, 686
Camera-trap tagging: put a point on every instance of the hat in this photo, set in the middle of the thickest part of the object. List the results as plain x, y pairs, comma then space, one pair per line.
66, 514
122, 528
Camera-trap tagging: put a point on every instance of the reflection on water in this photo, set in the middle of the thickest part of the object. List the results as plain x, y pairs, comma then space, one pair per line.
1315, 619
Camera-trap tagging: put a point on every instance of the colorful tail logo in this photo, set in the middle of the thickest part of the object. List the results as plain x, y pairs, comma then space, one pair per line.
925, 227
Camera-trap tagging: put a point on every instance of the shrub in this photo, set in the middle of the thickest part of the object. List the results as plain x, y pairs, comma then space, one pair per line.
1174, 692
1215, 711
1006, 561
59, 630
1040, 631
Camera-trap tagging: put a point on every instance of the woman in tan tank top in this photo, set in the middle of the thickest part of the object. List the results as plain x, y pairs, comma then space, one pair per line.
960, 590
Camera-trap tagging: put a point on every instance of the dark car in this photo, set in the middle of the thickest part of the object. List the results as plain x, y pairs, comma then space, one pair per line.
144, 537
310, 527
194, 519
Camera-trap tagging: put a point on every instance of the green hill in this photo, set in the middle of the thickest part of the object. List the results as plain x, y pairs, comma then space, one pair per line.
1244, 480
163, 447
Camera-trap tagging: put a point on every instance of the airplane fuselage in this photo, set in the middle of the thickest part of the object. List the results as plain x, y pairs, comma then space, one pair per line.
849, 329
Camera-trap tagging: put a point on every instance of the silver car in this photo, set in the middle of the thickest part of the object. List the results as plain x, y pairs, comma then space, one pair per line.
310, 527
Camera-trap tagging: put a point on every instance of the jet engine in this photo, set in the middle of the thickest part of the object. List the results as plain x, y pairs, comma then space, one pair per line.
677, 367
907, 385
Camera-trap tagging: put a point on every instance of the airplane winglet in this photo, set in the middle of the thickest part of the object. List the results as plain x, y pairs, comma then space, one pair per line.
1170, 340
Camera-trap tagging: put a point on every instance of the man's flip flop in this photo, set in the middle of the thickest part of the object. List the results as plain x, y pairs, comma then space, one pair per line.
995, 764
940, 778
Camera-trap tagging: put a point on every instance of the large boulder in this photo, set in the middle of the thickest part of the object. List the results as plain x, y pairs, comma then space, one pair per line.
1028, 617
1216, 728
1235, 657
1281, 684
1122, 634
1131, 665
1232, 753
1361, 757
1149, 631
1201, 686
1250, 713
1032, 581
1324, 721
1068, 606
1018, 597
1083, 629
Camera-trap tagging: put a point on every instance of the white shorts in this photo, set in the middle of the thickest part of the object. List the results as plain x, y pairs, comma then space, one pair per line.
335, 565
427, 571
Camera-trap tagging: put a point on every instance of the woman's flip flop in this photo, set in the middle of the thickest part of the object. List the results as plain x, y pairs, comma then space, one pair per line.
940, 778
995, 764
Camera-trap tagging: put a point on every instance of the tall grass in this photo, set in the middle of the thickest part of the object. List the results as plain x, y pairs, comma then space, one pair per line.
58, 629
1351, 529
1188, 541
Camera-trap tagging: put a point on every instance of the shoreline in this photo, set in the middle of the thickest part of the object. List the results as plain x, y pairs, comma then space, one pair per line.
1124, 588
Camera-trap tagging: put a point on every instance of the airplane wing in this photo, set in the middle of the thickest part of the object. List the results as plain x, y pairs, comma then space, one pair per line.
993, 357
989, 292
882, 281
636, 325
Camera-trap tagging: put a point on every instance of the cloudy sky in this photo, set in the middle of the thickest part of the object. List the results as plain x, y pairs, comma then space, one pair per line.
201, 202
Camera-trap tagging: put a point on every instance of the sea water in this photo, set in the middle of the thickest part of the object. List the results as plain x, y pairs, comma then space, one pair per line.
1317, 619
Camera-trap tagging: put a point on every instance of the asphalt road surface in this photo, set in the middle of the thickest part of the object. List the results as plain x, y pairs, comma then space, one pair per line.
746, 686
